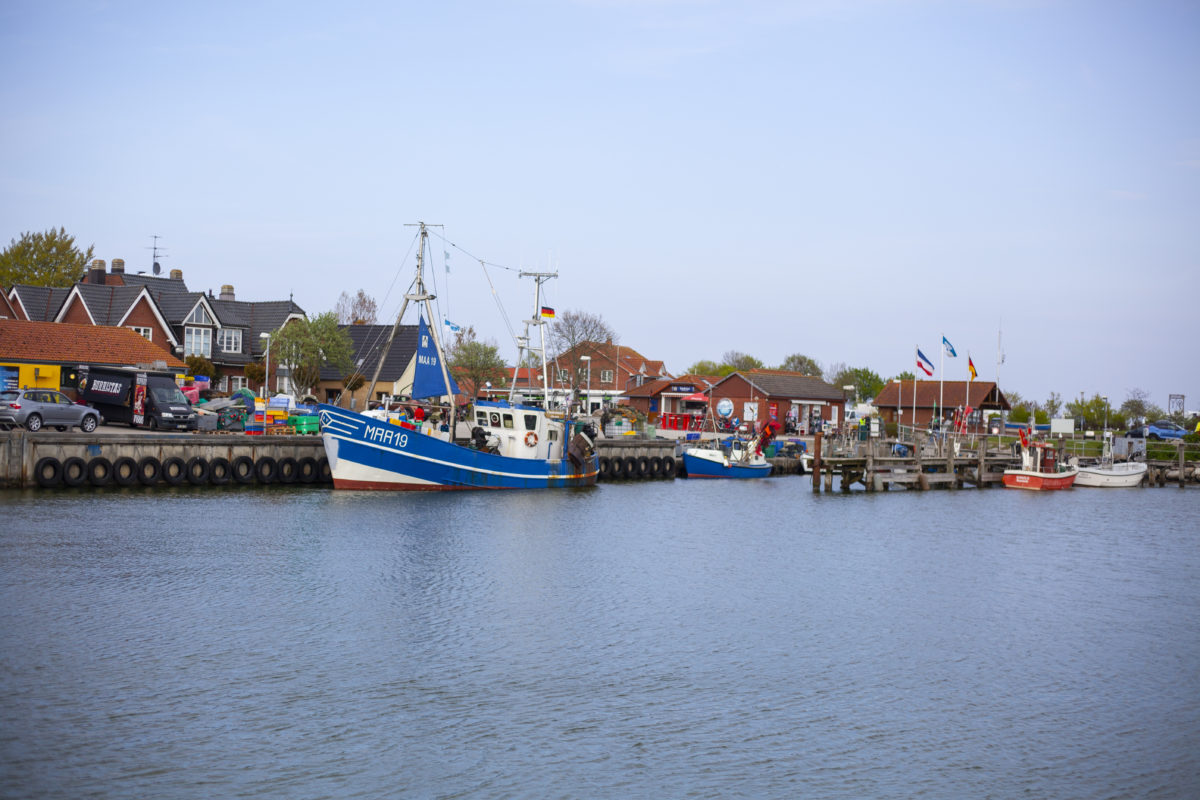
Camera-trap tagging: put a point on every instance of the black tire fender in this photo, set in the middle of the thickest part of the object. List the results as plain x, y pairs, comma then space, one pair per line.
605, 467
307, 469
616, 468
668, 467
629, 467
47, 472
242, 469
288, 470
174, 471
74, 471
149, 470
197, 470
100, 471
324, 473
266, 470
125, 471
219, 471
656, 466
643, 467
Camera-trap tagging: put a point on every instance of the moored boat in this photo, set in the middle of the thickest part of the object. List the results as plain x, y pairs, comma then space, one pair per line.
738, 459
1040, 468
1108, 474
512, 445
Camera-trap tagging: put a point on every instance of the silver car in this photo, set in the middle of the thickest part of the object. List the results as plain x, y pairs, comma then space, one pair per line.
37, 408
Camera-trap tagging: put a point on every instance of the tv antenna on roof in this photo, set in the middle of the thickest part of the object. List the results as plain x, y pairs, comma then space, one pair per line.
157, 268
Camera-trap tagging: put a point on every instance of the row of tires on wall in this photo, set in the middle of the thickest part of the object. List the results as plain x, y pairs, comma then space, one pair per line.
637, 468
50, 472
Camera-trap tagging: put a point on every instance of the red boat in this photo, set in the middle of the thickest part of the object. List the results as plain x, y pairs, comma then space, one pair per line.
1040, 469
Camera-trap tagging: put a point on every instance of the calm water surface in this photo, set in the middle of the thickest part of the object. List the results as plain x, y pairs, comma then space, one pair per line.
686, 639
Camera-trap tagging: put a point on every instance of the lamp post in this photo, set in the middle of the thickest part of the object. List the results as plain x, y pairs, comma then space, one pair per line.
267, 370
1105, 399
588, 402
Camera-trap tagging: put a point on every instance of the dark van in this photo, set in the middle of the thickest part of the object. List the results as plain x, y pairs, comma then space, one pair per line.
139, 398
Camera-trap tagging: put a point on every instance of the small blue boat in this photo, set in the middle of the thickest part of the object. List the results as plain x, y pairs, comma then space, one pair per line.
741, 459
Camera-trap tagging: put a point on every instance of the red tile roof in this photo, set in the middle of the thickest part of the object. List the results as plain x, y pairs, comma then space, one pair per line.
64, 343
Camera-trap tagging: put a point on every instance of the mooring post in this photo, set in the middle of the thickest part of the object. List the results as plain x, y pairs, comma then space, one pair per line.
816, 471
918, 443
1182, 480
869, 475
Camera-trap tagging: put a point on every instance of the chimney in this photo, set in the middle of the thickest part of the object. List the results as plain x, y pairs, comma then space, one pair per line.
118, 266
226, 292
96, 273
176, 274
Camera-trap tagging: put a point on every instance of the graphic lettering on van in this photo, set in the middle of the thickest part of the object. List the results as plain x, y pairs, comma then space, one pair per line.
106, 387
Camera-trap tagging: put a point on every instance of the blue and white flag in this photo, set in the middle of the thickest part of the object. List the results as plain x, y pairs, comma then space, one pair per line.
451, 325
949, 348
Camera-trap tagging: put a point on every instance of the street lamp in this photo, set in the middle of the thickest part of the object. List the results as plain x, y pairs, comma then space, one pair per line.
267, 370
588, 359
1105, 399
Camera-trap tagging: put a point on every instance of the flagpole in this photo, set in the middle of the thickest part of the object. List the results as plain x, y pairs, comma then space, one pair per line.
941, 379
916, 356
967, 409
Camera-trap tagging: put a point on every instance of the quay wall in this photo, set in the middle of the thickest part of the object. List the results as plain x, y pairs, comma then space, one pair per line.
49, 459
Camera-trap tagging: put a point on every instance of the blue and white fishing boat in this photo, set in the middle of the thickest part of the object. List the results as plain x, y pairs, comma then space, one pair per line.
737, 461
512, 445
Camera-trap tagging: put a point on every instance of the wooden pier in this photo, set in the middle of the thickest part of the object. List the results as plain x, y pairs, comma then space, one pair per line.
929, 461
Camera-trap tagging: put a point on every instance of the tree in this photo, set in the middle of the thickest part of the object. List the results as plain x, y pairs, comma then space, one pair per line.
705, 367
866, 383
741, 362
474, 362
44, 259
357, 310
306, 345
835, 371
801, 363
1137, 406
1053, 405
905, 376
256, 373
199, 365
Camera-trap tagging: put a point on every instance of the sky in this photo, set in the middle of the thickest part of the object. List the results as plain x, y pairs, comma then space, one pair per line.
845, 180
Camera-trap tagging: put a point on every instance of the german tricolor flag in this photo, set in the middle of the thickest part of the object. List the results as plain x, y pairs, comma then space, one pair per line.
547, 312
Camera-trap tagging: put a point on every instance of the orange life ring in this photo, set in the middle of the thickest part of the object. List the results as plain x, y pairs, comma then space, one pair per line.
530, 439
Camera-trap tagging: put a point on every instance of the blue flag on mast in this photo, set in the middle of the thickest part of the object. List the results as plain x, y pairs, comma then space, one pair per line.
949, 347
427, 373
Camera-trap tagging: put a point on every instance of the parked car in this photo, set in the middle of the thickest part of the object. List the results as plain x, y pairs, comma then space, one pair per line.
1164, 429
37, 408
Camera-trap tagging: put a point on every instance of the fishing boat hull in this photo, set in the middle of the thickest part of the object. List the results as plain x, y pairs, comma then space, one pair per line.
366, 453
1039, 481
1130, 473
703, 463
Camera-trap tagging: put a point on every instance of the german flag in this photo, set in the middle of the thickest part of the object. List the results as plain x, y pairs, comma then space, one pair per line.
547, 312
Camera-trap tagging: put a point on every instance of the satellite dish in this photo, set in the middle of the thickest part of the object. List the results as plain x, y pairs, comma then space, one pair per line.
157, 268
725, 407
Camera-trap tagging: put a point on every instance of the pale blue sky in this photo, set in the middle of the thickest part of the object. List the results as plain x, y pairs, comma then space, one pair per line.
846, 180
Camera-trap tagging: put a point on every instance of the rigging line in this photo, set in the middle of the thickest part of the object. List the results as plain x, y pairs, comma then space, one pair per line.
470, 255
376, 340
503, 314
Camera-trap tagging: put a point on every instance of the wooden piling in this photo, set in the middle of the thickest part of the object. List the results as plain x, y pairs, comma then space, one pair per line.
816, 468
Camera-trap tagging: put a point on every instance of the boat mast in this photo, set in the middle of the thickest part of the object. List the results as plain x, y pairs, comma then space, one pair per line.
538, 279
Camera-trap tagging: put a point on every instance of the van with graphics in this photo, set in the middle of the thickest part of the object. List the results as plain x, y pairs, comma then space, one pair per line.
138, 398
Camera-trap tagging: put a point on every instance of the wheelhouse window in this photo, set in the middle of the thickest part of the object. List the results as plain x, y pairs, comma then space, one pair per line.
531, 422
197, 342
230, 340
508, 421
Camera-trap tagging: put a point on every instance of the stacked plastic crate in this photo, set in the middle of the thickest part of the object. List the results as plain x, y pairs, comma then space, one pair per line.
256, 421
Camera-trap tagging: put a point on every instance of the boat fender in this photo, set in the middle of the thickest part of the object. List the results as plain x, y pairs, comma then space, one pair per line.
616, 468
605, 467
74, 471
289, 470
265, 469
243, 469
48, 472
324, 471
629, 467
125, 471
643, 467
219, 471
100, 471
148, 470
307, 470
197, 470
174, 471
656, 466
668, 467
531, 439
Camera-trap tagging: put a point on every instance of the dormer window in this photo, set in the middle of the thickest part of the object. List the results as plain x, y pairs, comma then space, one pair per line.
230, 340
199, 317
